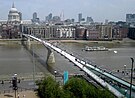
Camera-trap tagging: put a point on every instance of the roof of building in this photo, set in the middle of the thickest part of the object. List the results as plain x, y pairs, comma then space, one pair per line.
13, 9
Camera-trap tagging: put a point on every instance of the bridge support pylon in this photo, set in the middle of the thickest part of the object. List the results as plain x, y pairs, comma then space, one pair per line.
29, 42
50, 57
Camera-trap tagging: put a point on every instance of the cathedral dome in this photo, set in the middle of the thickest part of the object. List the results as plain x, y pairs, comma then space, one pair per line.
13, 10
13, 16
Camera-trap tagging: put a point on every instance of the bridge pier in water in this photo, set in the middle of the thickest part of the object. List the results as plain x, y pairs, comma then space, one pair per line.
29, 42
50, 56
26, 41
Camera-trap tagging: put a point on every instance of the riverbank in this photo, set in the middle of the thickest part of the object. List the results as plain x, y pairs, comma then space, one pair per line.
89, 41
71, 41
10, 41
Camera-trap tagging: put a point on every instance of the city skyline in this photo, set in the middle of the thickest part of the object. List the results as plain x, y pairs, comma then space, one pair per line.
113, 10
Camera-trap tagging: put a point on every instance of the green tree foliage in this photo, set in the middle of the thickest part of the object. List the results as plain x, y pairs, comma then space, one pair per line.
77, 87
81, 89
74, 88
48, 88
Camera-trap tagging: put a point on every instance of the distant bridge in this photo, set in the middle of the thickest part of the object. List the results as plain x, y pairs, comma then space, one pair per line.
83, 65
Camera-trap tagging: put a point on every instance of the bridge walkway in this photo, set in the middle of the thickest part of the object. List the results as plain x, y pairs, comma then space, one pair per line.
80, 64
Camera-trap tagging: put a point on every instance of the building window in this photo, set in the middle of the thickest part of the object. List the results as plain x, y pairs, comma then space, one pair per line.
14, 17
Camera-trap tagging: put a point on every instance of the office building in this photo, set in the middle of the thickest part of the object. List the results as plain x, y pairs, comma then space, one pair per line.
105, 31
35, 18
130, 18
49, 17
89, 20
56, 19
79, 17
50, 32
131, 33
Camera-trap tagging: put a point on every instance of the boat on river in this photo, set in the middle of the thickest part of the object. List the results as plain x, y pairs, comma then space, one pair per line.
95, 48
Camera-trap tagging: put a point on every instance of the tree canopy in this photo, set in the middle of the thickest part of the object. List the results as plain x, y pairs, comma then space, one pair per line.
74, 88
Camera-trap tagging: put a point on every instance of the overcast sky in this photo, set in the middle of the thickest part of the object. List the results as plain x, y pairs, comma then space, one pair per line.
99, 10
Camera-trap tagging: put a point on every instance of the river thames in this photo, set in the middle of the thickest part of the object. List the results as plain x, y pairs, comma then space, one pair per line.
14, 58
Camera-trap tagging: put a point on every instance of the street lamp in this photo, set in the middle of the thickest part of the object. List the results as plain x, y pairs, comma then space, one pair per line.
14, 82
131, 75
125, 69
55, 72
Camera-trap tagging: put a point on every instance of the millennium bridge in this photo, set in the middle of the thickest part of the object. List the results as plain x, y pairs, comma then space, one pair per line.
90, 69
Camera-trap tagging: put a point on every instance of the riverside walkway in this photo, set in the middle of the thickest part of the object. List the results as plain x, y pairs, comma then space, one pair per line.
82, 65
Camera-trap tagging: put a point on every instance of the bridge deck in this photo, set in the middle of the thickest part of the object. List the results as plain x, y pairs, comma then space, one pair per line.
81, 66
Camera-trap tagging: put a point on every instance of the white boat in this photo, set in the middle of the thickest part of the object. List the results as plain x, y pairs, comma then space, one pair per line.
115, 52
100, 48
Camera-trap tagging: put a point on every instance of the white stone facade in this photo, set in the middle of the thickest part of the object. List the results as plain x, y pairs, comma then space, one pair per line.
13, 16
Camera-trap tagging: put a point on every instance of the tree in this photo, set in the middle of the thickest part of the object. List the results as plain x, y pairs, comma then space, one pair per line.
79, 88
48, 88
74, 88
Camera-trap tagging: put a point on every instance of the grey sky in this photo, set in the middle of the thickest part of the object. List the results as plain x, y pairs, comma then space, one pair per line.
99, 10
